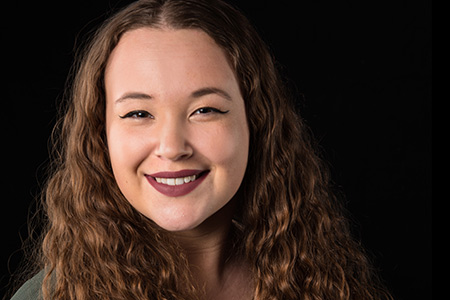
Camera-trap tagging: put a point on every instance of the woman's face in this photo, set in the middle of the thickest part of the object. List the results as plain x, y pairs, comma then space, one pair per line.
176, 125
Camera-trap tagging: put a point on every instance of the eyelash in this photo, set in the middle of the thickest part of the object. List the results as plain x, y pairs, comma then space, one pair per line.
137, 114
142, 114
208, 110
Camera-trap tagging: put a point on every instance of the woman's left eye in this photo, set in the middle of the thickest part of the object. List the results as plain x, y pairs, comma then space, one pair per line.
209, 110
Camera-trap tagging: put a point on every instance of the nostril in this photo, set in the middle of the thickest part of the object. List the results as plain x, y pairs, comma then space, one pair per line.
172, 141
174, 154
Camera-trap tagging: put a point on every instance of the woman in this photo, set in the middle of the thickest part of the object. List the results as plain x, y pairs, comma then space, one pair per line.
183, 172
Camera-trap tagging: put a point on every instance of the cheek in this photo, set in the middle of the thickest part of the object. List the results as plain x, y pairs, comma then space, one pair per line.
227, 148
126, 154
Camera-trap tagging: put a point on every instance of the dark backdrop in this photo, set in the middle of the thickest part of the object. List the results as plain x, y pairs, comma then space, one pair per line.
362, 70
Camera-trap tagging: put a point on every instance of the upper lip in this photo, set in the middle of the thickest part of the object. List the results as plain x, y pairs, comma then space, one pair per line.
177, 174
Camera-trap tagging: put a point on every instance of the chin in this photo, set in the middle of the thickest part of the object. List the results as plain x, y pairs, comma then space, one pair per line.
178, 223
178, 227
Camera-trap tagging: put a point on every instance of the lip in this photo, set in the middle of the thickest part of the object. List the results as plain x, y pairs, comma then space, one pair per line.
178, 174
177, 190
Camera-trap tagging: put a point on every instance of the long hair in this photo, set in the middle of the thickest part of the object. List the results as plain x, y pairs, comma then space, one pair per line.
293, 232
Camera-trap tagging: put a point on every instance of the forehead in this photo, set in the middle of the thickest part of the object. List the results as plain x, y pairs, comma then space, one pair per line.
165, 58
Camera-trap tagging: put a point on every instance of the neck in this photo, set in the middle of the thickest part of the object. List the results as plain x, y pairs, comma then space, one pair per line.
208, 249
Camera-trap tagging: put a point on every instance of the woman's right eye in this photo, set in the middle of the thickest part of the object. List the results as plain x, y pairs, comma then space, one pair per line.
137, 114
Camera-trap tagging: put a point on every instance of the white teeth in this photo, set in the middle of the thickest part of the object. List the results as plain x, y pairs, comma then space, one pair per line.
176, 181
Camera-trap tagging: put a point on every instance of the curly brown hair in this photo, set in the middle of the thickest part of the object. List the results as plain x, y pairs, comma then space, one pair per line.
292, 230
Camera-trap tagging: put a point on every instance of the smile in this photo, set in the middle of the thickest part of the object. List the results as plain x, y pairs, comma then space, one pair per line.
177, 184
176, 181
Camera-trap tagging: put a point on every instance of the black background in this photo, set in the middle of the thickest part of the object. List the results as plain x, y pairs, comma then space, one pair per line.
363, 69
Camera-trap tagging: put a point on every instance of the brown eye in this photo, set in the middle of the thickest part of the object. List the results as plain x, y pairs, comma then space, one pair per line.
209, 110
137, 114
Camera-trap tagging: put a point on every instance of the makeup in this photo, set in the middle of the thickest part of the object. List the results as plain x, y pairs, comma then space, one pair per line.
177, 184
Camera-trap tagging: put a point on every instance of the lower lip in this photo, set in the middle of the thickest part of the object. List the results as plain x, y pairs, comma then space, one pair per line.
176, 190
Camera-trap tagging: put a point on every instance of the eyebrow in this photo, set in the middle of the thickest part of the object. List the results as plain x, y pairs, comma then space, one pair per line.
197, 94
133, 95
209, 91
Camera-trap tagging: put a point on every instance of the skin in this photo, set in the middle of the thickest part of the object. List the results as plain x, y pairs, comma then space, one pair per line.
173, 103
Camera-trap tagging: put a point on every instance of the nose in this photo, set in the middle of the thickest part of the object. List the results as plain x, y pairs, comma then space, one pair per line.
172, 141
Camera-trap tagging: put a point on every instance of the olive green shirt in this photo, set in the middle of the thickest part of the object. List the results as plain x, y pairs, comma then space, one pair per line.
32, 289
